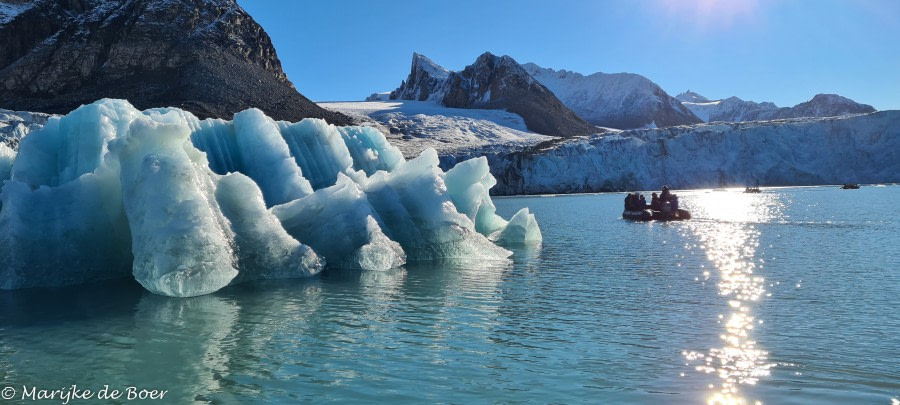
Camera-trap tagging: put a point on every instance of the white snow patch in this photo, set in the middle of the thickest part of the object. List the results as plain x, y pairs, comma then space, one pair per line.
414, 126
702, 110
434, 70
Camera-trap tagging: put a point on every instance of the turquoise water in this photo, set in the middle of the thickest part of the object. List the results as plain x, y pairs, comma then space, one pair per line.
787, 296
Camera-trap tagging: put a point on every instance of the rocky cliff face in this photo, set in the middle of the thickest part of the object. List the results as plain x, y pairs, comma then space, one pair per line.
493, 82
205, 56
425, 80
734, 109
618, 100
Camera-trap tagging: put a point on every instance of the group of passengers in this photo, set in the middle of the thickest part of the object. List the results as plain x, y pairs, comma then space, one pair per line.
664, 202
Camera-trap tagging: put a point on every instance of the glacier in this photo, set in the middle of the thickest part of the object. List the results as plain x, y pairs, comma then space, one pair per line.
861, 148
189, 206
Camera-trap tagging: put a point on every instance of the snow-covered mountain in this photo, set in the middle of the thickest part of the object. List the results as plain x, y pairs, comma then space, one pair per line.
492, 82
734, 109
804, 151
619, 100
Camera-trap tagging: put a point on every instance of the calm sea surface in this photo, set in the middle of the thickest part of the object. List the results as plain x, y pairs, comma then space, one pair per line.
787, 296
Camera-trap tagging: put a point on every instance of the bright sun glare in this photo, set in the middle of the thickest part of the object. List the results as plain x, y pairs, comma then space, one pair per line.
709, 14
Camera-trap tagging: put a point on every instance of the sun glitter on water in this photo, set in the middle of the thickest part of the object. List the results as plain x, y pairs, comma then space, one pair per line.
725, 224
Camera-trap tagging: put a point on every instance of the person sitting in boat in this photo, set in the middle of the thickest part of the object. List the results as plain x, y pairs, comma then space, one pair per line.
665, 195
674, 201
654, 202
642, 201
629, 202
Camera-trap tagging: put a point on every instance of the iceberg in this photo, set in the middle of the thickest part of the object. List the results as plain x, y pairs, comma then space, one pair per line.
7, 156
62, 219
189, 206
468, 183
418, 212
263, 247
339, 223
252, 145
180, 239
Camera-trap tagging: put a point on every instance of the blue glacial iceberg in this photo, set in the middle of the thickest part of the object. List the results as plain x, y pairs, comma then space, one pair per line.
188, 206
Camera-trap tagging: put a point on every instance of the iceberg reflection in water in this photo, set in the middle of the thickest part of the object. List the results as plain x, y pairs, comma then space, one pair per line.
254, 340
603, 309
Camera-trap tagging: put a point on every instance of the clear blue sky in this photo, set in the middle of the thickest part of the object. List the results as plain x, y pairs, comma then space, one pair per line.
763, 50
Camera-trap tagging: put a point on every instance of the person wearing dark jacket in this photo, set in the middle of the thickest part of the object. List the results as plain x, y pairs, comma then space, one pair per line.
665, 196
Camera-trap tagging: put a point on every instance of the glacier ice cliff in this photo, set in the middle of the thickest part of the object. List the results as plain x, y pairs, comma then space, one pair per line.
806, 151
189, 206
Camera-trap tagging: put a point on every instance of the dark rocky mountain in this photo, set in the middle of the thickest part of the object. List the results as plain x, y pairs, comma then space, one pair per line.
205, 56
493, 82
425, 79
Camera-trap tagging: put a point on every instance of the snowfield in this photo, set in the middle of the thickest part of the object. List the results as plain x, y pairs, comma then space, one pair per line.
414, 126
703, 109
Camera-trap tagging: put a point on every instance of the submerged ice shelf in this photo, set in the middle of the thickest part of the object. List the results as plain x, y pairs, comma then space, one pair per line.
189, 206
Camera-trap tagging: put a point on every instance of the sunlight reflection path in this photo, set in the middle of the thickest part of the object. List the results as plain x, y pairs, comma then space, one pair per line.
726, 226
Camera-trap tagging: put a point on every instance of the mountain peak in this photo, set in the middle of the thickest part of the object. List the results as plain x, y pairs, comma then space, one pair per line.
492, 82
826, 98
829, 105
423, 82
489, 60
733, 109
208, 57
692, 97
486, 55
423, 62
